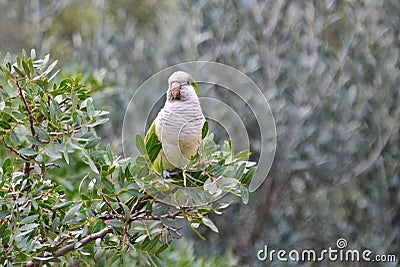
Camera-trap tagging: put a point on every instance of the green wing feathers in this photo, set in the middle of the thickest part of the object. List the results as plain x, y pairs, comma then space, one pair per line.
195, 86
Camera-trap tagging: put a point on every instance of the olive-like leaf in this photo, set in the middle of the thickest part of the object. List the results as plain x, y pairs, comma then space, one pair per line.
209, 224
244, 193
204, 131
140, 144
41, 133
249, 175
27, 151
71, 213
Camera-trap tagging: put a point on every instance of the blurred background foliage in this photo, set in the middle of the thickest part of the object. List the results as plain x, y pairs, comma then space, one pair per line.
329, 69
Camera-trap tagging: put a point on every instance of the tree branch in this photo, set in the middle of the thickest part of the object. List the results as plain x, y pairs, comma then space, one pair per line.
101, 234
64, 250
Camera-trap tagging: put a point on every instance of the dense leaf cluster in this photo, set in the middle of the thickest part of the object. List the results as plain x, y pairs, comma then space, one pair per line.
47, 124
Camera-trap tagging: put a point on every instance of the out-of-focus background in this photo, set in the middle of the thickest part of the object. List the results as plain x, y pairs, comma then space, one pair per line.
329, 69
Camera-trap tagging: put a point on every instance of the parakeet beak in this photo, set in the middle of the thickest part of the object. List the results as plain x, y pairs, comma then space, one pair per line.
175, 89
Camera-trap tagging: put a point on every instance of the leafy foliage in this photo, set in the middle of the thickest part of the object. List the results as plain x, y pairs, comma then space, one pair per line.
329, 69
46, 125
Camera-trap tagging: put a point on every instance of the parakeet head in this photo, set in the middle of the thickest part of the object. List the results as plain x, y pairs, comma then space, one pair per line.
182, 87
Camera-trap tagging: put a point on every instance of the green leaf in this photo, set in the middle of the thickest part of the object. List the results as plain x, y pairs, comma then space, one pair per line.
34, 204
127, 172
7, 117
54, 75
204, 131
162, 248
29, 219
65, 153
127, 211
90, 109
71, 213
116, 223
4, 214
197, 233
91, 164
53, 152
153, 147
240, 171
33, 54
210, 186
249, 175
14, 138
152, 246
223, 205
92, 143
27, 151
98, 122
108, 186
109, 153
28, 227
50, 68
41, 133
45, 112
26, 69
5, 125
228, 183
140, 161
242, 155
98, 254
62, 205
244, 193
55, 111
141, 238
20, 73
24, 55
142, 172
209, 224
140, 144
134, 192
34, 141
56, 223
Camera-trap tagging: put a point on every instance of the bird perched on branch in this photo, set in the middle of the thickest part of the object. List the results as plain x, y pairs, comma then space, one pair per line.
175, 134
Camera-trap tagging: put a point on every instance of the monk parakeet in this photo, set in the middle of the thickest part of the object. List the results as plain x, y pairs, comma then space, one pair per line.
175, 134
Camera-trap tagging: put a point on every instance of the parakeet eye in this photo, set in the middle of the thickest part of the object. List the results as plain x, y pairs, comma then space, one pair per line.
188, 82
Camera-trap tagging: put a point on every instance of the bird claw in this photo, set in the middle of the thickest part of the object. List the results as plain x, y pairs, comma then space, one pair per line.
166, 174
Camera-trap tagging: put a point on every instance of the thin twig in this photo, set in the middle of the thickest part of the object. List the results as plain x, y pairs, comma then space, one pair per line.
173, 230
155, 218
109, 205
27, 164
13, 150
137, 203
26, 108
